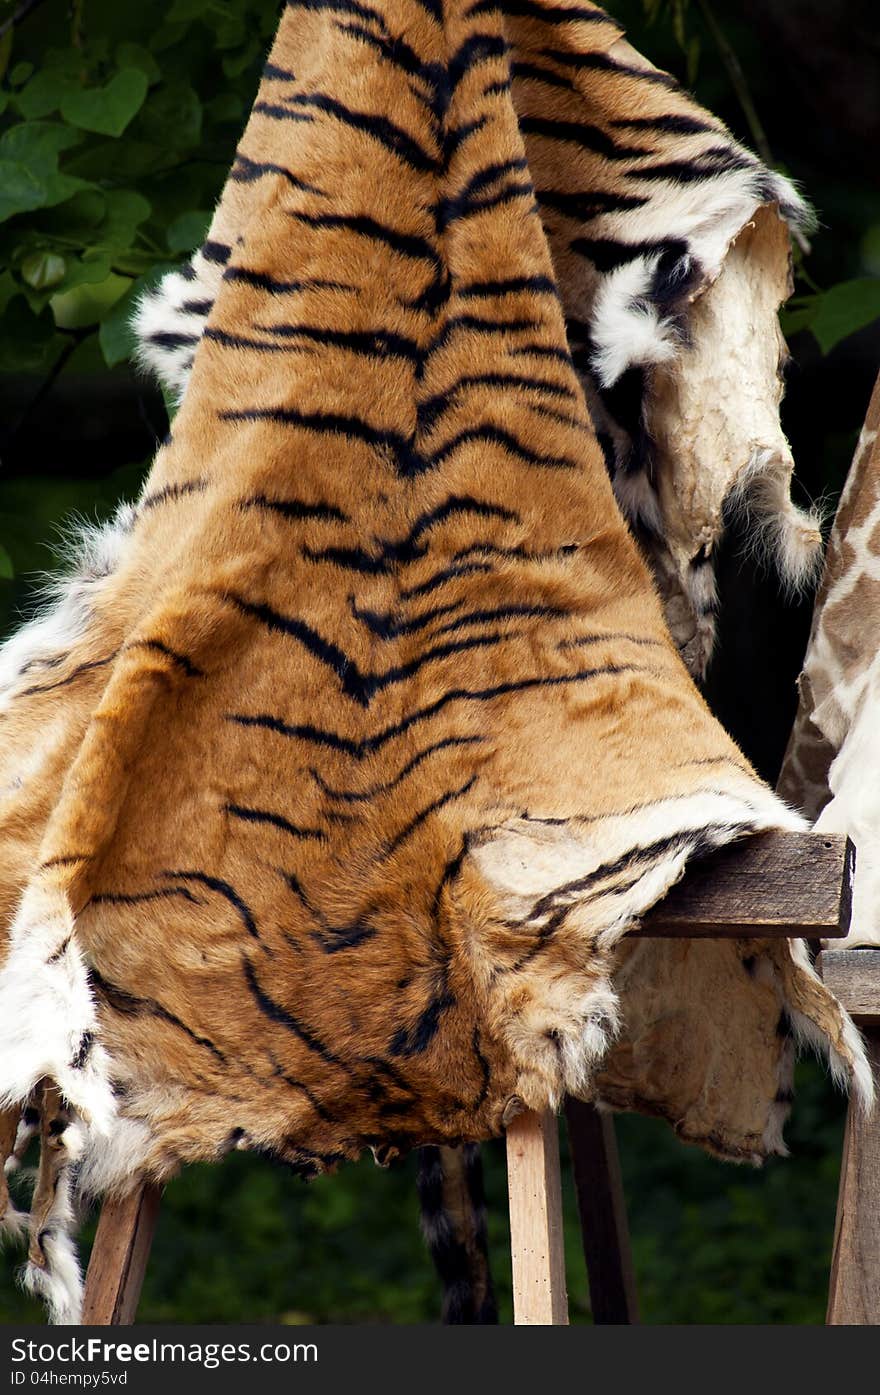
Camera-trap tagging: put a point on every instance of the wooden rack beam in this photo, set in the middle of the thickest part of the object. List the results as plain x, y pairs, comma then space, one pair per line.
853, 975
772, 885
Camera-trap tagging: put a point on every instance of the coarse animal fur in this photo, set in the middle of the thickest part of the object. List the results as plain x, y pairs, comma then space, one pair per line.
338, 776
641, 193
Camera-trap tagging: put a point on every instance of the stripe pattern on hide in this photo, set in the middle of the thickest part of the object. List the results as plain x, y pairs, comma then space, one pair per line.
337, 776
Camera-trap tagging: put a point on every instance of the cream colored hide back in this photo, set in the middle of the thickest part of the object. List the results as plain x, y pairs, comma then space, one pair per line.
714, 415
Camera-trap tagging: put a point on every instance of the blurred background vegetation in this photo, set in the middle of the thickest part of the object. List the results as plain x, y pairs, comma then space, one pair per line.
117, 125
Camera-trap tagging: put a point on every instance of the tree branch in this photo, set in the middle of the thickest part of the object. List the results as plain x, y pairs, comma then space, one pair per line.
76, 337
24, 9
738, 82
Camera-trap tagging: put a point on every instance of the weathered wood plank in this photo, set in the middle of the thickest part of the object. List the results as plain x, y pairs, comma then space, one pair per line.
602, 1211
854, 1290
853, 975
119, 1257
536, 1234
771, 885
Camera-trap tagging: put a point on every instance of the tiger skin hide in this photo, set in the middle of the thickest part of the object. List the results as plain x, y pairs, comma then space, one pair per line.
350, 753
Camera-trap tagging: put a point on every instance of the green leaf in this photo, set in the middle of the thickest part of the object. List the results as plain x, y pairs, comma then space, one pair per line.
42, 95
229, 29
38, 143
136, 56
182, 11
170, 401
172, 117
123, 161
77, 218
188, 231
126, 210
226, 107
107, 110
167, 36
43, 269
29, 174
28, 342
20, 74
7, 571
844, 309
65, 63
88, 270
115, 335
235, 64
870, 249
20, 190
794, 321
87, 304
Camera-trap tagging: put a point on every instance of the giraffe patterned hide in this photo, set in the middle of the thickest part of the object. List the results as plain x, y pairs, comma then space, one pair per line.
350, 753
832, 766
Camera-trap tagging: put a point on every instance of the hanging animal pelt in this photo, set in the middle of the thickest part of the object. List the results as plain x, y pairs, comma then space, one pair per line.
350, 753
832, 765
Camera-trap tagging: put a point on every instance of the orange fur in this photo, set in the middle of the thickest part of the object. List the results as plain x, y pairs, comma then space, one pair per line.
374, 743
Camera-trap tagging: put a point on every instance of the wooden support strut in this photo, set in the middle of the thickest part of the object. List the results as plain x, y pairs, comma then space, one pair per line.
602, 1212
853, 976
119, 1257
769, 885
537, 1247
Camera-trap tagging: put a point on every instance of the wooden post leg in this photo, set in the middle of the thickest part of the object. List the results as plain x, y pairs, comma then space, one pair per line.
602, 1211
119, 1257
854, 1293
536, 1233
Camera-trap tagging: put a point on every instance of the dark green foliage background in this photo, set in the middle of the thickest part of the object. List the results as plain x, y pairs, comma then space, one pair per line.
117, 125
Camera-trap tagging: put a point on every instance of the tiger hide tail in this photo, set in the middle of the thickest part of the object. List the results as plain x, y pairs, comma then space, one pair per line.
453, 1214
